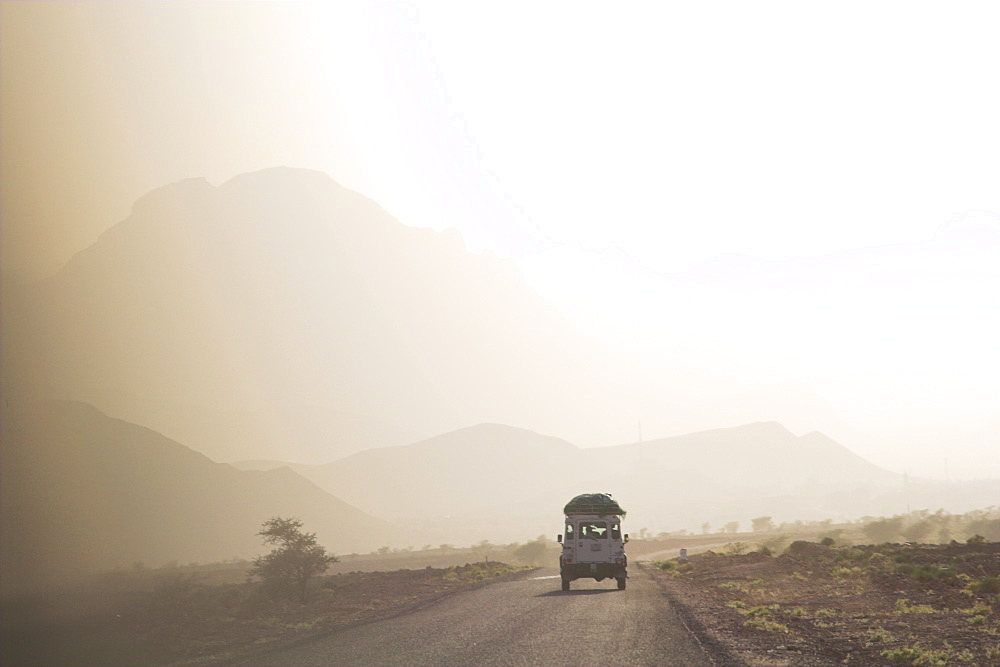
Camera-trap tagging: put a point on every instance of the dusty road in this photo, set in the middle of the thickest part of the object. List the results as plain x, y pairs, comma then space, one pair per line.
522, 622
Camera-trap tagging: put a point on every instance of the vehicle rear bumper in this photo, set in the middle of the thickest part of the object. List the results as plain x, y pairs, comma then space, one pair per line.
596, 571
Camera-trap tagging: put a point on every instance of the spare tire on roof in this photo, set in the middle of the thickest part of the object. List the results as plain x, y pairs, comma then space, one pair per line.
594, 503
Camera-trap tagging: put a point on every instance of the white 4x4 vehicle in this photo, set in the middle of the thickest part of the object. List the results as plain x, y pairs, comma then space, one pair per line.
593, 544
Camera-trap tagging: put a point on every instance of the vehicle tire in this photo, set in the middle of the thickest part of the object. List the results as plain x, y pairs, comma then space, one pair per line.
621, 584
565, 584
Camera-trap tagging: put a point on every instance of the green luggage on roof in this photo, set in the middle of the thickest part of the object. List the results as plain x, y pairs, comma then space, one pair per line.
594, 503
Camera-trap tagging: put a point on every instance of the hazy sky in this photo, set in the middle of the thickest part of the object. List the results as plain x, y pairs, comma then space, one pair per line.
594, 146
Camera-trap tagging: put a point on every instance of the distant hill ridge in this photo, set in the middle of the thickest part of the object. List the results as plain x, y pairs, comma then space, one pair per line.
473, 472
83, 492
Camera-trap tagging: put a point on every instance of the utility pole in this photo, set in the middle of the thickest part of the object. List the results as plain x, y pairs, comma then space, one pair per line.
906, 490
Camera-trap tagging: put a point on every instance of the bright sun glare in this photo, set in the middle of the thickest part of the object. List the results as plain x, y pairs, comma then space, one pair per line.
615, 155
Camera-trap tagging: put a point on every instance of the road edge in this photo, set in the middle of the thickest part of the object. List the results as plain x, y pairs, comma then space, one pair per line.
256, 652
717, 651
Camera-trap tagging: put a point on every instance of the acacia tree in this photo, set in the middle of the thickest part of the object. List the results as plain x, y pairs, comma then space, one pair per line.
297, 557
883, 530
532, 552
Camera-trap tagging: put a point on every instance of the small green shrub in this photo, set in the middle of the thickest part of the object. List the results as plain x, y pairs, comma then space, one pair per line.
735, 548
924, 573
904, 654
917, 655
761, 611
903, 606
986, 586
878, 635
979, 609
766, 624
753, 587
841, 572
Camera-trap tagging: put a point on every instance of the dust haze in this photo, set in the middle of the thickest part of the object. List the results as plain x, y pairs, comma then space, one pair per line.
351, 265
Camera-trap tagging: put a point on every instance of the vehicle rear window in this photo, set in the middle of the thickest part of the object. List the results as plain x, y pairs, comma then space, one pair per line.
595, 530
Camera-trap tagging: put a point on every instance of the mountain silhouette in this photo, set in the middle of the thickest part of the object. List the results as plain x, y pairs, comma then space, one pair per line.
281, 312
83, 492
479, 468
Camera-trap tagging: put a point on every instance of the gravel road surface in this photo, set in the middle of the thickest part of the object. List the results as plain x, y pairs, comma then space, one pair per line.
527, 621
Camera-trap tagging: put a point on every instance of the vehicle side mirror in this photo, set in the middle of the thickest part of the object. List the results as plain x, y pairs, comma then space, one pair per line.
559, 539
626, 537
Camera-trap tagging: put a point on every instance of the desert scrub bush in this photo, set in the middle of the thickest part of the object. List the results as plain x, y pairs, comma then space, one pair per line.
903, 606
841, 572
883, 530
665, 564
979, 609
908, 654
735, 548
924, 573
917, 655
773, 543
737, 604
182, 596
985, 586
479, 571
965, 656
760, 611
978, 613
766, 624
752, 587
878, 636
852, 555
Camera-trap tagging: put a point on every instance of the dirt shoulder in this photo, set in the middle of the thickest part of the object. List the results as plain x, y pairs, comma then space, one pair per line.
864, 605
184, 622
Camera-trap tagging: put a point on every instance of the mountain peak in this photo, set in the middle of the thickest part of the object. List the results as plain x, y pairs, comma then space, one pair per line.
166, 198
282, 176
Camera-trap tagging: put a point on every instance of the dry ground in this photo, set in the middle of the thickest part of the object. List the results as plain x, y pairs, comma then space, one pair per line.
183, 621
811, 605
818, 605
